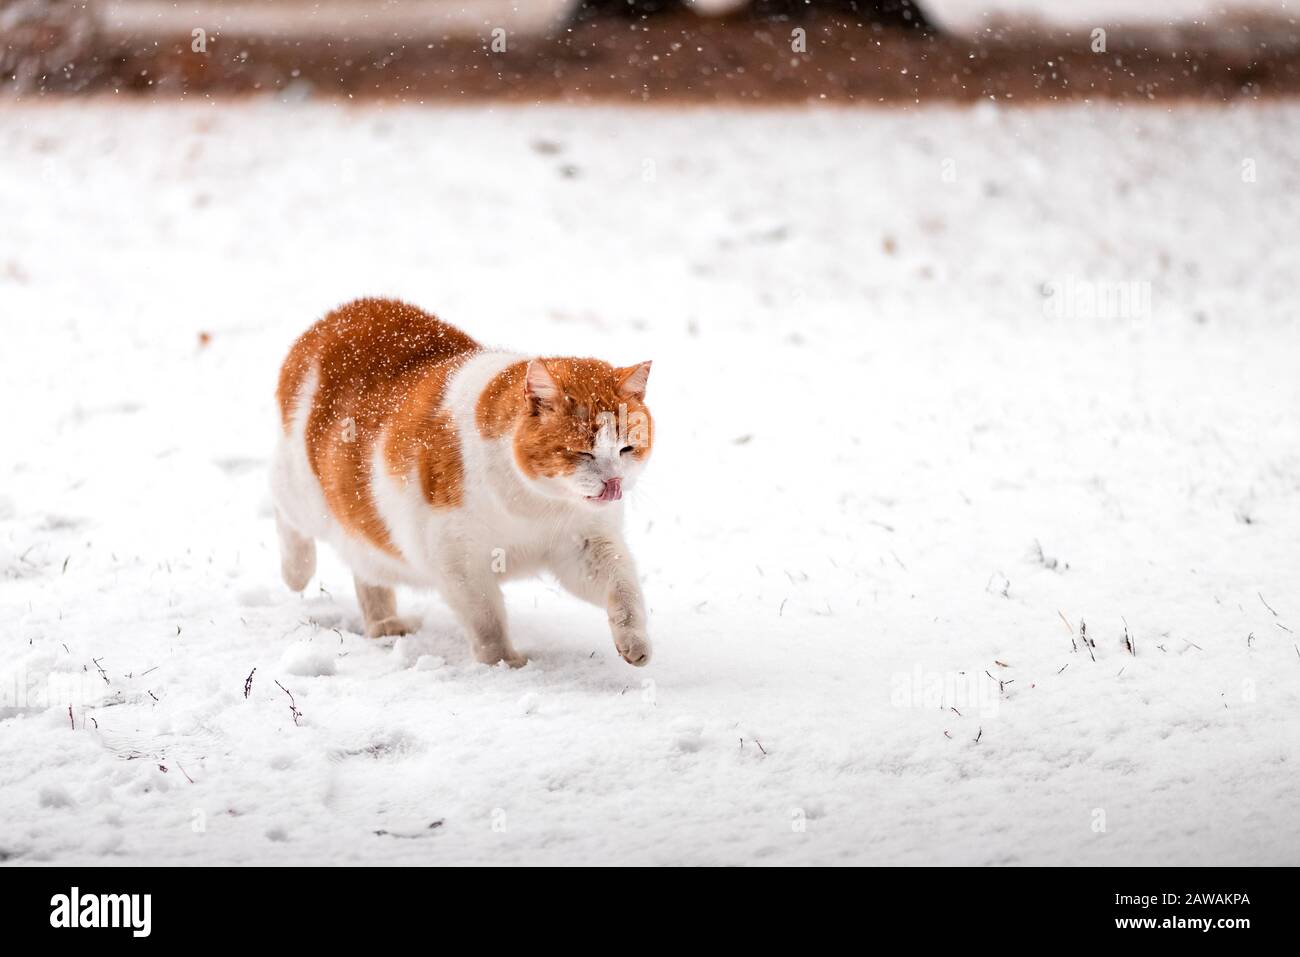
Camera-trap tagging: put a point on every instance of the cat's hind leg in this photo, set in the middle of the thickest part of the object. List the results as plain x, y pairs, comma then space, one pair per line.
297, 555
379, 611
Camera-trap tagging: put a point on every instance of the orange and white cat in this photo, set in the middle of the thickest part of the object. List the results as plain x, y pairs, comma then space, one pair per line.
426, 459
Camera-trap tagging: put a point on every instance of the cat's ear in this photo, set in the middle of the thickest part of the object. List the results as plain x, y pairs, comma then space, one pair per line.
631, 383
540, 385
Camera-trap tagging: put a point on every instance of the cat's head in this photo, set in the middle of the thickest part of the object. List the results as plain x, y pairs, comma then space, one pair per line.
586, 433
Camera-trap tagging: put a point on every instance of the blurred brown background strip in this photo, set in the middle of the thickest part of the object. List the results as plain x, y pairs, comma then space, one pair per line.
885, 51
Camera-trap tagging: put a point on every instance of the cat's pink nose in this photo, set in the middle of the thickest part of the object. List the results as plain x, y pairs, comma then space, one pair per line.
612, 491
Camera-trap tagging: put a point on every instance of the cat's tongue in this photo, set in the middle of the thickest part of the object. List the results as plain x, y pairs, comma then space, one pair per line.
612, 491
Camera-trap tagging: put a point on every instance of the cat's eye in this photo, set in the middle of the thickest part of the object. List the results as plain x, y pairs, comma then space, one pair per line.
581, 455
625, 449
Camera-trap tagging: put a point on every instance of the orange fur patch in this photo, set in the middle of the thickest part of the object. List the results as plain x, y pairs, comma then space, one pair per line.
502, 402
423, 437
383, 364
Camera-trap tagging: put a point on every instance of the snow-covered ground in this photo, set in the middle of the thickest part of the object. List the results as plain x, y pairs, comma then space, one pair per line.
970, 15
929, 386
354, 18
412, 17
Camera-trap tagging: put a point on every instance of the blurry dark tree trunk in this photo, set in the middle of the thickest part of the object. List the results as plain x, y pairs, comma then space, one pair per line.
907, 14
891, 13
629, 9
44, 42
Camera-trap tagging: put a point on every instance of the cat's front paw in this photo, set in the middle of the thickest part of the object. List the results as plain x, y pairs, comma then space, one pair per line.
634, 647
